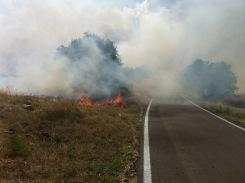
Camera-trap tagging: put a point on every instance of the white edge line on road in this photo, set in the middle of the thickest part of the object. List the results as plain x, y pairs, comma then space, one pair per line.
214, 114
147, 159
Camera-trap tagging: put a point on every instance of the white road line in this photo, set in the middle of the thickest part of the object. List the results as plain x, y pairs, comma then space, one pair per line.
214, 114
147, 159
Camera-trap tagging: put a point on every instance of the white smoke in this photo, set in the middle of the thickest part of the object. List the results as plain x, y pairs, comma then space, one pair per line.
170, 36
162, 36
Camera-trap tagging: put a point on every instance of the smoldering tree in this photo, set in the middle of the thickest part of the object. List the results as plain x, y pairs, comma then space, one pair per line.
96, 67
81, 48
209, 81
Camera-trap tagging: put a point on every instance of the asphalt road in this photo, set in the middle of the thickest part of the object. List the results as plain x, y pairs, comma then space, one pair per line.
188, 145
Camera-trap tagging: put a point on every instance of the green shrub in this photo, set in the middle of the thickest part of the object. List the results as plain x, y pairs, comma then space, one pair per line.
15, 147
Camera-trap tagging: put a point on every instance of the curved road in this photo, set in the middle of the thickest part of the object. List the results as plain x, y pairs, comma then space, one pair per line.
189, 145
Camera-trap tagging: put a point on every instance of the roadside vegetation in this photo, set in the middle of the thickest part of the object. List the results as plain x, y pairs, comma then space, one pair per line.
231, 109
47, 140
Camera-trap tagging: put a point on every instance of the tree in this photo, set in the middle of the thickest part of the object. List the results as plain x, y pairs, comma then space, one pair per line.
94, 67
81, 48
209, 81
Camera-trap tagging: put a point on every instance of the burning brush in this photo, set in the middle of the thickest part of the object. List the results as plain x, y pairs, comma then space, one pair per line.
118, 101
87, 102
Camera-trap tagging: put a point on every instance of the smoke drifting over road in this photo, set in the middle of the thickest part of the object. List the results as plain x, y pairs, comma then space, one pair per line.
162, 36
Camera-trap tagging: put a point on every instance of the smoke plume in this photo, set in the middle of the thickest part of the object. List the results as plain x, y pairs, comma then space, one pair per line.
93, 68
163, 37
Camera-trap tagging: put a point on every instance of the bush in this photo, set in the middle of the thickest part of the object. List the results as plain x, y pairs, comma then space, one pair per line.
15, 147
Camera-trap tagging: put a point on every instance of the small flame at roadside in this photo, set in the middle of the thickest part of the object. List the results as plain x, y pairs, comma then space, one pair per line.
119, 101
87, 102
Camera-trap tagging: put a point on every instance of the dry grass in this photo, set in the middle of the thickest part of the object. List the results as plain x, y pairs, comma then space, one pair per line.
58, 141
228, 111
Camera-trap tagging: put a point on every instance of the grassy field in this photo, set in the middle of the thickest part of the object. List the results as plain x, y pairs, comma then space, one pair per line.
232, 110
45, 140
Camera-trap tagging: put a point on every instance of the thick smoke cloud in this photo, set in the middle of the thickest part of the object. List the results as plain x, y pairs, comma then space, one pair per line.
161, 36
172, 34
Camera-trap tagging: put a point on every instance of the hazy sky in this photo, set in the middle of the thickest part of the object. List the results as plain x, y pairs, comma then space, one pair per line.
119, 2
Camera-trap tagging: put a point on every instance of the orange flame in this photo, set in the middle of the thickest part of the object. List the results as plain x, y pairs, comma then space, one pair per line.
119, 101
7, 91
86, 102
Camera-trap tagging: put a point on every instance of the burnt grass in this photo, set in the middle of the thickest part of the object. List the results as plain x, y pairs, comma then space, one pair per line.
47, 140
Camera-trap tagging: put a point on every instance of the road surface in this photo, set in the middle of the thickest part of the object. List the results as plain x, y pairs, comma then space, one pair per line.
188, 145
